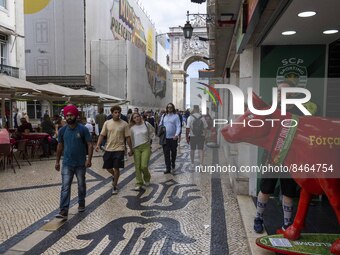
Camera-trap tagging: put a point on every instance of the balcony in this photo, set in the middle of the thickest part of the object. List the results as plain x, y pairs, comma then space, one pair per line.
10, 70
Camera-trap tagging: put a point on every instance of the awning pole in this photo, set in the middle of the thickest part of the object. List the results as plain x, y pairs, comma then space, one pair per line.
3, 112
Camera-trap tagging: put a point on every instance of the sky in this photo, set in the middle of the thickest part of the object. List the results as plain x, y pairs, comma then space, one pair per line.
170, 13
191, 91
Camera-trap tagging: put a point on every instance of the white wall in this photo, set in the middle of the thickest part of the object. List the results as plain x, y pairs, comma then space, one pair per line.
118, 69
7, 17
99, 21
109, 67
19, 44
138, 89
55, 43
249, 77
161, 56
194, 92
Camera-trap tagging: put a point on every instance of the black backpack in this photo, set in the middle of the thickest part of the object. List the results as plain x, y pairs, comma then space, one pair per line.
197, 126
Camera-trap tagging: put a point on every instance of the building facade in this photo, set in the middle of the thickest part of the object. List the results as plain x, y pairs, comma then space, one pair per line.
12, 45
107, 47
251, 49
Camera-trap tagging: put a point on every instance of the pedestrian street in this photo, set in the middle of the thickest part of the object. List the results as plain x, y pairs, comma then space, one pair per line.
180, 213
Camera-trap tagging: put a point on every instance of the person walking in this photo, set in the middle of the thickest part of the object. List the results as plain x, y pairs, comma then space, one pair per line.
128, 115
47, 126
74, 139
181, 121
116, 131
195, 134
100, 119
141, 134
170, 120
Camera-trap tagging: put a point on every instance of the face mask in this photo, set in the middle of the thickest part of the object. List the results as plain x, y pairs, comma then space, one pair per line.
71, 121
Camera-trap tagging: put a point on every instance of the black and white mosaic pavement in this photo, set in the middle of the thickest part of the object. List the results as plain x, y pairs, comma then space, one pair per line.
181, 213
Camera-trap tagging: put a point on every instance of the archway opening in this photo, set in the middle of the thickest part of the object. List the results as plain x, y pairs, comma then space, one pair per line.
193, 90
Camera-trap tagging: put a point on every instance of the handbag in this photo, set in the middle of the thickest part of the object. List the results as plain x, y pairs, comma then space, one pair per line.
150, 139
162, 132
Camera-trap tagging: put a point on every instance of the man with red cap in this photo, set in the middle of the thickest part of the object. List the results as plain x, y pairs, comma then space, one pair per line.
75, 140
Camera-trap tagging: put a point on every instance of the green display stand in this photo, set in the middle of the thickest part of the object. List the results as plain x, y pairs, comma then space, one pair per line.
311, 243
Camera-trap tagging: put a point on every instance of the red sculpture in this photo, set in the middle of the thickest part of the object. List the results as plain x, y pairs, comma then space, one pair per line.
316, 141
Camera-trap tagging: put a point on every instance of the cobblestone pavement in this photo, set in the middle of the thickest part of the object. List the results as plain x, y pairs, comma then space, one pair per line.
180, 213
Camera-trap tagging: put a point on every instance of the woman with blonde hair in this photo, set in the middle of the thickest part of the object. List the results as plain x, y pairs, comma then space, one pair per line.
141, 135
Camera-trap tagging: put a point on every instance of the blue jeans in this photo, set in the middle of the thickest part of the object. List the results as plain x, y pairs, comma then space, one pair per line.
67, 173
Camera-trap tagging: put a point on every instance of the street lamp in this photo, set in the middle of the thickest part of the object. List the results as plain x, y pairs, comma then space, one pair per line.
225, 19
188, 29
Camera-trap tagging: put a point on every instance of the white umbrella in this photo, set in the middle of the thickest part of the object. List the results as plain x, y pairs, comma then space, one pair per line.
104, 98
19, 85
78, 95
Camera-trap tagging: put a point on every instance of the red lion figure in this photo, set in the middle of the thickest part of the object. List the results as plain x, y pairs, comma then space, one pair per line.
316, 141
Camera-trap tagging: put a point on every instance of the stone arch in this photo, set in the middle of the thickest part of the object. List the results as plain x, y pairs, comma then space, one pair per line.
184, 52
191, 59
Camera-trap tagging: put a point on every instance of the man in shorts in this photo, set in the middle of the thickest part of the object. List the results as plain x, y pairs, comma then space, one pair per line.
195, 134
116, 131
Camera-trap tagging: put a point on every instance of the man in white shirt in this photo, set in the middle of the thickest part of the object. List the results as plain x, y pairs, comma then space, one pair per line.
195, 134
16, 118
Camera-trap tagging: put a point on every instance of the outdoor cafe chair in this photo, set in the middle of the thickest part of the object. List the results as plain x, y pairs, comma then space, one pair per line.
7, 156
22, 149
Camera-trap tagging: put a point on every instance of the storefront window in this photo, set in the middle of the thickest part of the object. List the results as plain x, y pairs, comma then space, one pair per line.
34, 109
58, 106
3, 53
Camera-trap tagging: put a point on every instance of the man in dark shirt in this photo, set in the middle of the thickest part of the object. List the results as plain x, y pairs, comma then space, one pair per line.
150, 118
24, 126
73, 140
100, 119
47, 126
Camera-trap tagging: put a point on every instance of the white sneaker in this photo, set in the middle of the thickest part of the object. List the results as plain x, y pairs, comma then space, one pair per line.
137, 188
114, 191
